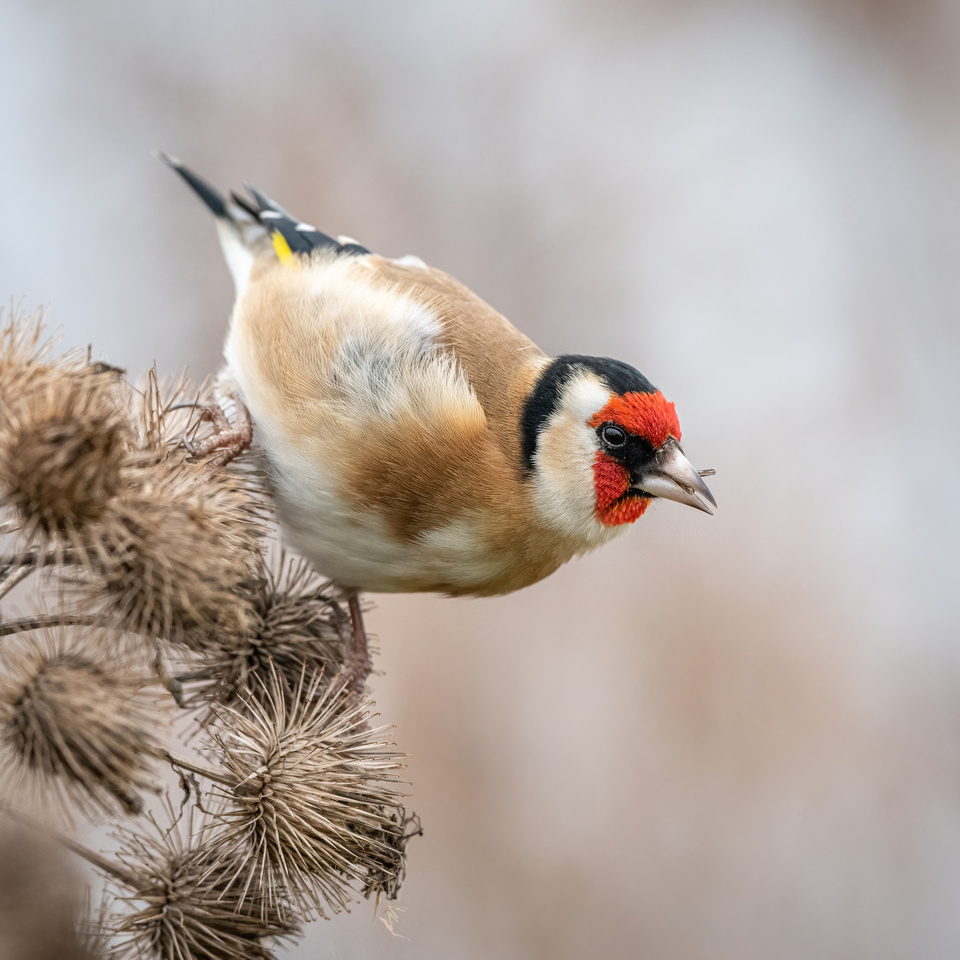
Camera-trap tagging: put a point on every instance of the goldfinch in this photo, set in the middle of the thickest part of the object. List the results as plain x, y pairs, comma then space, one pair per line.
417, 441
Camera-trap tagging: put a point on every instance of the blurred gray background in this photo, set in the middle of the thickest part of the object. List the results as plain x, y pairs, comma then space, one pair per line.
728, 737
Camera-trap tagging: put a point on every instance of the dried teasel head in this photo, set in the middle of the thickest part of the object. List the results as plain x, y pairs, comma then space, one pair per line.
76, 721
386, 876
176, 552
309, 794
187, 898
64, 440
23, 341
294, 628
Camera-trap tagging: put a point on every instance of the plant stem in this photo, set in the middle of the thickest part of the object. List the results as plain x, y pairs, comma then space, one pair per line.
52, 558
14, 569
171, 684
23, 624
204, 674
174, 759
12, 576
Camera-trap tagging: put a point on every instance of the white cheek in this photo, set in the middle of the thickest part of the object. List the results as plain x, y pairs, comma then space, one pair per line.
581, 400
564, 488
564, 480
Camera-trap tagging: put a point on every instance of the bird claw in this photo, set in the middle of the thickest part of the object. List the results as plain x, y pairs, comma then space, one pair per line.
229, 440
357, 664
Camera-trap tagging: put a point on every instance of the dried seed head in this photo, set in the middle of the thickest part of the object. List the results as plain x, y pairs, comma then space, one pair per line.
294, 629
63, 444
180, 543
75, 720
23, 341
181, 907
391, 838
313, 795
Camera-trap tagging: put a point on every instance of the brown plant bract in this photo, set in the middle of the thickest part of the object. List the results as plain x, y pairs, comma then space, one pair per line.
181, 545
74, 718
312, 797
389, 870
23, 341
185, 908
63, 439
294, 629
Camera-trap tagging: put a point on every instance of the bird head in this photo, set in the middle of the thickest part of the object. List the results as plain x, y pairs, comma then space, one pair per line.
600, 442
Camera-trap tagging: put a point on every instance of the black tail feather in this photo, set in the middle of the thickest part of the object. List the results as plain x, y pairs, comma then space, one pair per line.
266, 204
300, 237
245, 204
203, 189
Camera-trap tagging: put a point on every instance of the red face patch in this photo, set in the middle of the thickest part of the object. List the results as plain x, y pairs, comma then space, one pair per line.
648, 415
612, 480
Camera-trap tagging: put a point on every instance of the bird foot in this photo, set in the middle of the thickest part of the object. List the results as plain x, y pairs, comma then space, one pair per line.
229, 439
357, 663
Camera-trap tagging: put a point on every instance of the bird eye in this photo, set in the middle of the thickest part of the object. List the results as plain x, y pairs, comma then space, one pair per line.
612, 435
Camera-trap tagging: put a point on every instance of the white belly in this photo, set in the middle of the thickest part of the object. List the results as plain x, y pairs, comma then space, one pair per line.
354, 548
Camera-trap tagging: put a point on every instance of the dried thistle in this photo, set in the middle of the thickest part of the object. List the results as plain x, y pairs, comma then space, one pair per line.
23, 341
75, 719
63, 443
181, 907
390, 870
307, 815
294, 628
175, 554
308, 793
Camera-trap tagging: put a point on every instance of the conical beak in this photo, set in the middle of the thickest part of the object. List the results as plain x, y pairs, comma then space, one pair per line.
672, 477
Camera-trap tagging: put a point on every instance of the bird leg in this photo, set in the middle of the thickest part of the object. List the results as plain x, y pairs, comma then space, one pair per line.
356, 658
229, 440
